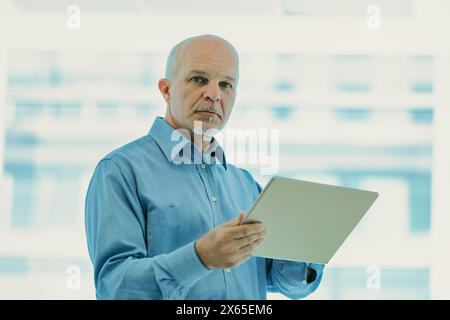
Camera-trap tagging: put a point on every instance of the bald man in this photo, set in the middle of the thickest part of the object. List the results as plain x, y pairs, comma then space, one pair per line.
163, 213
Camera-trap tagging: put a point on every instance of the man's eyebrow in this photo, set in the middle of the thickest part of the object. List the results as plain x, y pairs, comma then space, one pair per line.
229, 78
203, 73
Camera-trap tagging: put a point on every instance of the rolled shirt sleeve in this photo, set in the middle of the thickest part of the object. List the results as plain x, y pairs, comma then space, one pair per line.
289, 277
115, 231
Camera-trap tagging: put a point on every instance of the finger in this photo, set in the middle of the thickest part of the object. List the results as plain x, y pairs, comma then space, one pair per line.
244, 258
245, 230
242, 242
235, 221
248, 249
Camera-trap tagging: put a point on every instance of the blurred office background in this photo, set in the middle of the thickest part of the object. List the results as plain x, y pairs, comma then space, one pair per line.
355, 105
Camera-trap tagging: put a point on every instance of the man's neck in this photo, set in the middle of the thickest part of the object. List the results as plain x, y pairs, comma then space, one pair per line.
202, 142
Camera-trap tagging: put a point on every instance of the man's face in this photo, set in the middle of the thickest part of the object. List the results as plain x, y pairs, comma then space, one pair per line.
204, 86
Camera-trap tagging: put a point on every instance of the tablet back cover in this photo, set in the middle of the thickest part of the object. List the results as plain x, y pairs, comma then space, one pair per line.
307, 221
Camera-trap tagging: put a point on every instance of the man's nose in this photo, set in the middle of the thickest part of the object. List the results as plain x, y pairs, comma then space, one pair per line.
212, 92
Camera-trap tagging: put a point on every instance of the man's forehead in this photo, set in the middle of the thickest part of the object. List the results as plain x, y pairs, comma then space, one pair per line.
209, 65
205, 46
210, 50
226, 73
219, 58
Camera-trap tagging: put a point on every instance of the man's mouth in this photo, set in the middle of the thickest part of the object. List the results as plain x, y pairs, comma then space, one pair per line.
209, 112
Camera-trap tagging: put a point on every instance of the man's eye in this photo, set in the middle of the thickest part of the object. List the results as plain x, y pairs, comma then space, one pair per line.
198, 79
226, 84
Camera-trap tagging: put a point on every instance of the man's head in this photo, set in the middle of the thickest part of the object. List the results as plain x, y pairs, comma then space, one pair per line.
200, 82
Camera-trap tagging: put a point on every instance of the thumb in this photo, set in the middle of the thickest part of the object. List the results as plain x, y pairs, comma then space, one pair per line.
235, 221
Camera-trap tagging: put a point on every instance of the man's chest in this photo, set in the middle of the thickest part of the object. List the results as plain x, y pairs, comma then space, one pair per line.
183, 204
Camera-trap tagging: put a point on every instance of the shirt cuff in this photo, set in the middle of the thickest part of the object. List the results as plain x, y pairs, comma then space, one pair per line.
318, 267
185, 265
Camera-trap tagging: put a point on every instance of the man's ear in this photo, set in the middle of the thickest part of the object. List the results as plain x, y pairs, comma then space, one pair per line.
164, 86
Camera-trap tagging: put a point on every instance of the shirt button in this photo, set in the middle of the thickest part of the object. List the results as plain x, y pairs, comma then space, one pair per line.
203, 166
213, 199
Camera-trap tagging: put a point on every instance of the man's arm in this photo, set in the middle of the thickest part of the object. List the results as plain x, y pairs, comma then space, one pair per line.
115, 230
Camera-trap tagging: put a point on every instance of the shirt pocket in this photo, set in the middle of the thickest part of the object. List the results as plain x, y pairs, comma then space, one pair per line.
171, 227
171, 216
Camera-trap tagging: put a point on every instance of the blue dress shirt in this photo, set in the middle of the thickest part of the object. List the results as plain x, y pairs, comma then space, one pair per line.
146, 206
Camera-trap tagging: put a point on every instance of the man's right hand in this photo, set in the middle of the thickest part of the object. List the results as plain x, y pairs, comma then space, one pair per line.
230, 243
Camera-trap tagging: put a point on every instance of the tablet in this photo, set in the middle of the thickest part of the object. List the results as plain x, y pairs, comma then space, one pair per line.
307, 221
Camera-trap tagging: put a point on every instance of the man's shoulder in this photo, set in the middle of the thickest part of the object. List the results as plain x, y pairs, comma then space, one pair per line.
131, 150
242, 173
245, 177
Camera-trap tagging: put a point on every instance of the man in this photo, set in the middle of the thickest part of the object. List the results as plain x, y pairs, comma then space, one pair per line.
164, 221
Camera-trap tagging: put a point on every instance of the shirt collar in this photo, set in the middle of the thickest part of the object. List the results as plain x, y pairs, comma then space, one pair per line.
179, 149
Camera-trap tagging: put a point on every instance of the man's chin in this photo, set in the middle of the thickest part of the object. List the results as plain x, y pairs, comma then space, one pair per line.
205, 127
